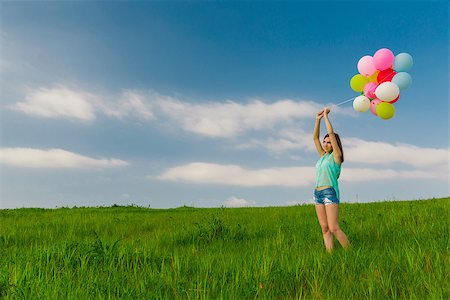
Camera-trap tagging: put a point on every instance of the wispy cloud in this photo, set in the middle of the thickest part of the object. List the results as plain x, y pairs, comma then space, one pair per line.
131, 105
209, 173
54, 159
59, 102
370, 174
285, 140
216, 119
382, 153
356, 150
228, 119
72, 104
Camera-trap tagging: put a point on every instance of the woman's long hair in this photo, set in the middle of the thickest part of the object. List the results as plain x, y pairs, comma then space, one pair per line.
338, 140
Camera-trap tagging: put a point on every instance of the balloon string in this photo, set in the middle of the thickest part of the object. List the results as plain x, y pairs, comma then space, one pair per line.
344, 102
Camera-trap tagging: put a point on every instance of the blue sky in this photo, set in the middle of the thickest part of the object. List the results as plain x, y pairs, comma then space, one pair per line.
165, 104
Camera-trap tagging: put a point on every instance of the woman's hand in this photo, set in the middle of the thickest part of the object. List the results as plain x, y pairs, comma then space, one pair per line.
326, 110
319, 115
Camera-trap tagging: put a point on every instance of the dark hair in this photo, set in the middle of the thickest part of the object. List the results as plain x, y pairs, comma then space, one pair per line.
338, 140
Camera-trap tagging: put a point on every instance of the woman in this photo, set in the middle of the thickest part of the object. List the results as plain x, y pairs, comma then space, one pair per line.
326, 194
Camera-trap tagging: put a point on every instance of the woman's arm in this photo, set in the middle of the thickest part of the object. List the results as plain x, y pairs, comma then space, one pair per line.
319, 148
337, 154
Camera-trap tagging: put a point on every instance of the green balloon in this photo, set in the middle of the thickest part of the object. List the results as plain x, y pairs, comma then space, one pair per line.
385, 110
358, 82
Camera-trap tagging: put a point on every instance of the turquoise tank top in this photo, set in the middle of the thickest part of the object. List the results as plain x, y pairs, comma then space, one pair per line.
327, 172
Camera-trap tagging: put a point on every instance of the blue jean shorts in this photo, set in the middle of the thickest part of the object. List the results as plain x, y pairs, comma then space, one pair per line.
326, 196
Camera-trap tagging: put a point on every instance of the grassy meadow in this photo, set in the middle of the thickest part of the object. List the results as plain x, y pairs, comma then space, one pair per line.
399, 250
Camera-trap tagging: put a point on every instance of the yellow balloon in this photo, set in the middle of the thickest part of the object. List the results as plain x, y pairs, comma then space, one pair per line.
358, 82
385, 110
373, 77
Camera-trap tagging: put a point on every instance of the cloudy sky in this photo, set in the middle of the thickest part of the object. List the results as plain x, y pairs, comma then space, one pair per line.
165, 104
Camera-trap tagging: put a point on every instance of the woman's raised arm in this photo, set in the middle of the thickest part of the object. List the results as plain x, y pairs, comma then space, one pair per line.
316, 132
337, 154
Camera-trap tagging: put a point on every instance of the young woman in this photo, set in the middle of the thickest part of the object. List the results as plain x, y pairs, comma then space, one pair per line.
326, 193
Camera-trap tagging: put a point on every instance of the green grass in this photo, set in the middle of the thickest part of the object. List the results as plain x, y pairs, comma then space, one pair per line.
399, 250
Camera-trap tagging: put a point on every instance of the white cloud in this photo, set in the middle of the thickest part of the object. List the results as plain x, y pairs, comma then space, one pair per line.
208, 173
54, 159
210, 119
131, 105
228, 119
59, 102
225, 120
239, 202
285, 140
65, 103
381, 153
367, 174
356, 150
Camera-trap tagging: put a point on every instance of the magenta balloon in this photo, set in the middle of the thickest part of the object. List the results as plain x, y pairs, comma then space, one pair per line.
383, 59
373, 106
366, 66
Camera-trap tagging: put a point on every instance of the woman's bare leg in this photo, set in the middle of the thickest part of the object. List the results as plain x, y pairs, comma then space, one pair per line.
327, 236
332, 214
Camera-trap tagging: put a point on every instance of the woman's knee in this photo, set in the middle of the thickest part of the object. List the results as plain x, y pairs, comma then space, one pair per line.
334, 228
325, 228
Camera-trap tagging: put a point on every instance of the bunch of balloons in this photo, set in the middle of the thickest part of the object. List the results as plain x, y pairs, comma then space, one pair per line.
381, 78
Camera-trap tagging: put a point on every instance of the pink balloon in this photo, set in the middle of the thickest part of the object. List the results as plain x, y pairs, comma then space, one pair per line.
383, 59
366, 66
369, 90
373, 106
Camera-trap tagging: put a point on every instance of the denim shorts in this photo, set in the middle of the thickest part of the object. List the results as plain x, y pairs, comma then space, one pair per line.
326, 196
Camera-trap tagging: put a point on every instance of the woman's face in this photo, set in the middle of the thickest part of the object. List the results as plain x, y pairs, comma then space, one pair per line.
327, 145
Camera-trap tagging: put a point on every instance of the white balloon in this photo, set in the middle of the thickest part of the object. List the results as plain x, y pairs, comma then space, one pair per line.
361, 103
387, 91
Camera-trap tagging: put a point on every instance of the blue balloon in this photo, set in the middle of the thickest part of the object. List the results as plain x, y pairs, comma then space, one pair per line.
403, 80
402, 62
